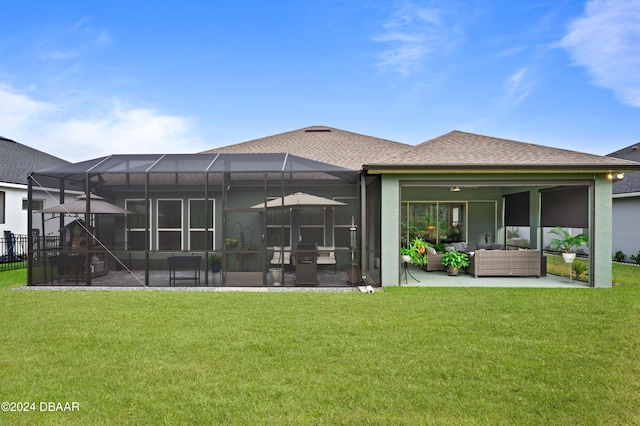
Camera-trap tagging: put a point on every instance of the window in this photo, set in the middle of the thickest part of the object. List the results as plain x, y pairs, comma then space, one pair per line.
279, 233
342, 221
1, 206
135, 236
169, 224
37, 204
312, 225
198, 238
517, 219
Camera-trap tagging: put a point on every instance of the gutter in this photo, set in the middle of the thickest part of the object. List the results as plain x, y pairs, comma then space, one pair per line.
626, 195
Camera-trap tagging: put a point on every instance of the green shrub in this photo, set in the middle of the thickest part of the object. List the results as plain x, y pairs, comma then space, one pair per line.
579, 268
636, 258
619, 256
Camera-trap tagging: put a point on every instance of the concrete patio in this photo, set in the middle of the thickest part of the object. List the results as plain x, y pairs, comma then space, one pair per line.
420, 278
327, 279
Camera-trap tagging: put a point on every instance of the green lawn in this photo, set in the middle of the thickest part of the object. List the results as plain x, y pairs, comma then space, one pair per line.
402, 356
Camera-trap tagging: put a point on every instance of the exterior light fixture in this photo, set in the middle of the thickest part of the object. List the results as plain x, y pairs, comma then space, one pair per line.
615, 177
454, 189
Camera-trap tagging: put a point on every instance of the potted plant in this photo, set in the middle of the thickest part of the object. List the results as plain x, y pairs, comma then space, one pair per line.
214, 261
565, 242
419, 251
231, 243
416, 253
455, 260
405, 253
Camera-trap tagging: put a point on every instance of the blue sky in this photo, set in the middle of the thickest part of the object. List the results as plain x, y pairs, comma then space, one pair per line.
82, 79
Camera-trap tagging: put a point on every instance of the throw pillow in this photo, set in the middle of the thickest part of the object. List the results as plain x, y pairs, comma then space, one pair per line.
461, 246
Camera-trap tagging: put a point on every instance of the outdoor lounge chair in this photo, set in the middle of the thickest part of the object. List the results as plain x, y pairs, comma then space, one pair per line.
327, 256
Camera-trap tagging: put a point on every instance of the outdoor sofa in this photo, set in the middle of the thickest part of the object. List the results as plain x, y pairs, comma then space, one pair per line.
434, 259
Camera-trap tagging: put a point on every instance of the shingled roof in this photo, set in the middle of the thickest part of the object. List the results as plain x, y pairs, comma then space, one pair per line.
17, 161
320, 143
461, 150
631, 181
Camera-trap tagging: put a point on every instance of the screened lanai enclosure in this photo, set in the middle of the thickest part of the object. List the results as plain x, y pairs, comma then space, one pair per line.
197, 220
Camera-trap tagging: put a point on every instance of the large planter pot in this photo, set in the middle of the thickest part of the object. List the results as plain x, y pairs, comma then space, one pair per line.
569, 257
276, 276
453, 272
215, 267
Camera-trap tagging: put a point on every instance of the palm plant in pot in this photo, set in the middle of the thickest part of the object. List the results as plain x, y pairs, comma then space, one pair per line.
454, 260
566, 241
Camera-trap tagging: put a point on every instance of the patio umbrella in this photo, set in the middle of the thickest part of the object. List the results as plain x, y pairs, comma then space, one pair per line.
79, 205
299, 199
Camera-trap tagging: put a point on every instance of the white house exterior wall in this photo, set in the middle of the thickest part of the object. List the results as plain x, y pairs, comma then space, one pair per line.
15, 217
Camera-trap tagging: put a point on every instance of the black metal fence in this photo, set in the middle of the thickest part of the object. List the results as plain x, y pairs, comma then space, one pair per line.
13, 251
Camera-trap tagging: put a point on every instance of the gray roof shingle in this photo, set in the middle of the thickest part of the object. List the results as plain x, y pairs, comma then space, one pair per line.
458, 149
17, 161
320, 143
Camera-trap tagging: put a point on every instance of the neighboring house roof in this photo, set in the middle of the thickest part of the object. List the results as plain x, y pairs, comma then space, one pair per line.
460, 150
631, 181
324, 144
17, 161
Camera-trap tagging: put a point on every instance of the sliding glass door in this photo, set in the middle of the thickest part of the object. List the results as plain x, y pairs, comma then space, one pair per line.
436, 222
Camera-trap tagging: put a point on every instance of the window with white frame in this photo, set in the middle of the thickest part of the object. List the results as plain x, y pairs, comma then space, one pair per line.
199, 219
169, 221
136, 225
342, 221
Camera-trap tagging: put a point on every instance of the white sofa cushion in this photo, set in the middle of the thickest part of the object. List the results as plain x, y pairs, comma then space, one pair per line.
326, 255
277, 251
